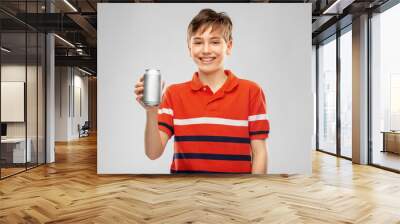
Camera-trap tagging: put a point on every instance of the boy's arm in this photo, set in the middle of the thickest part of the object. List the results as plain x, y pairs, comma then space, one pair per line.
154, 140
259, 156
258, 130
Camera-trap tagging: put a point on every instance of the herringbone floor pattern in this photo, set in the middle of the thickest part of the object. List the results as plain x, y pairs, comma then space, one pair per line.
70, 191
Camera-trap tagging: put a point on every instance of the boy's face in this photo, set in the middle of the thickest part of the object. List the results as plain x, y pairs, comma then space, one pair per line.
208, 50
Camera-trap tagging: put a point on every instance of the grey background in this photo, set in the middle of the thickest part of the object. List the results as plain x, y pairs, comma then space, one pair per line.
272, 46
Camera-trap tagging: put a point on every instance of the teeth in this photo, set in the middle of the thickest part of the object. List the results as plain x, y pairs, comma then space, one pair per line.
206, 59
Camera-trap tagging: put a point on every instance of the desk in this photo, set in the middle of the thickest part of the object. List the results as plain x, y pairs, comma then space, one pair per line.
391, 141
15, 148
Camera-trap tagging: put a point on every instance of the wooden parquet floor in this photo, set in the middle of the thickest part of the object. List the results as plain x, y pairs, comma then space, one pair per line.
70, 191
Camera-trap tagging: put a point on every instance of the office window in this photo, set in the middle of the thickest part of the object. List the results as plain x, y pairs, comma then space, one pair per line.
327, 96
385, 81
346, 93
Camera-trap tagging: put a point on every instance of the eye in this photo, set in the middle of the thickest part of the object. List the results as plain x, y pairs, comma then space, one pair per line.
196, 43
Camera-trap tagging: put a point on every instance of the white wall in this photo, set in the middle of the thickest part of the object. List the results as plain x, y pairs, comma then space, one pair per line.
68, 81
272, 46
61, 103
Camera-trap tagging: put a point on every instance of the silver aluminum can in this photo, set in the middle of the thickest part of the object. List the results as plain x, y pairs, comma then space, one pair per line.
152, 87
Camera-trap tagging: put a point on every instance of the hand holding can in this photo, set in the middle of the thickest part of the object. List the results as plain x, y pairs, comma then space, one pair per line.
149, 88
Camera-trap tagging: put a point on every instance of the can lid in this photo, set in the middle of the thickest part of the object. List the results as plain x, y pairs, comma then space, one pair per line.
152, 71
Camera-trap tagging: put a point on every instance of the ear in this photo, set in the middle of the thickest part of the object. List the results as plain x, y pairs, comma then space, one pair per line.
189, 49
229, 47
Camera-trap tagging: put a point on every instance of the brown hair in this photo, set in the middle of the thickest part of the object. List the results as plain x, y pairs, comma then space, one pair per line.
209, 18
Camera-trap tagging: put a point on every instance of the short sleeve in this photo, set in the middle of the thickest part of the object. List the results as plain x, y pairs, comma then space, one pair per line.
258, 119
166, 114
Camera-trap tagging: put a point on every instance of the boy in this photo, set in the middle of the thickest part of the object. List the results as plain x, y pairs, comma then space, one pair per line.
219, 121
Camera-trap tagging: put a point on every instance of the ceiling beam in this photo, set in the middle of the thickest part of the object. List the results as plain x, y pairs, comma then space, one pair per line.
84, 24
84, 61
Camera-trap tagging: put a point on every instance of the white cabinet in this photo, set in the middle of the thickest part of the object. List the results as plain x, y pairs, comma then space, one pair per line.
18, 149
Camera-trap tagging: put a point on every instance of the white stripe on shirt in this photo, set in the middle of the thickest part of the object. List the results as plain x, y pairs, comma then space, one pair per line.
166, 111
257, 117
211, 120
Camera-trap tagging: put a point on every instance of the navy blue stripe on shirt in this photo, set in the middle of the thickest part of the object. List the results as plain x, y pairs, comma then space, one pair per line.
204, 172
258, 132
211, 139
167, 126
212, 156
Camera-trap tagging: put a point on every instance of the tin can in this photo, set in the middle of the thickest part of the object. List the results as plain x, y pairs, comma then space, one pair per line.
152, 87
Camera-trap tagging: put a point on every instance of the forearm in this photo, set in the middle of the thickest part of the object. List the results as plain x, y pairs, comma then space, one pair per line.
259, 158
259, 163
152, 140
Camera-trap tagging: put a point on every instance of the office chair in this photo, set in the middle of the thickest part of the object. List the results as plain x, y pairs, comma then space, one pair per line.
84, 130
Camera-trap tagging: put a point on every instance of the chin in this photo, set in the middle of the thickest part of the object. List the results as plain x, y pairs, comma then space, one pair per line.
207, 69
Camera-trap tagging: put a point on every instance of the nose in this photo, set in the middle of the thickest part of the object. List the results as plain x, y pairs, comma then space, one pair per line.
206, 48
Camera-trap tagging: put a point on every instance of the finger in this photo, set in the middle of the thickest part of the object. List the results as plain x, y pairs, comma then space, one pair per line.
141, 103
139, 84
141, 78
136, 91
139, 90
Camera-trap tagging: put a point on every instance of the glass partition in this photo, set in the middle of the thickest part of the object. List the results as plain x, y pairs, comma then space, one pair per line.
22, 78
41, 107
32, 95
14, 154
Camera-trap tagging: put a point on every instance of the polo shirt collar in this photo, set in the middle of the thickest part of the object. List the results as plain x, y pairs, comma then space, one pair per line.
229, 85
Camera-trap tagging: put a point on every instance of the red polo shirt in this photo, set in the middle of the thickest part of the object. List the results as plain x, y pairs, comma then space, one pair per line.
213, 130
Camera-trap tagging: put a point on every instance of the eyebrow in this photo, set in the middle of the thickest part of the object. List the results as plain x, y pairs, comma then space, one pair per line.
199, 38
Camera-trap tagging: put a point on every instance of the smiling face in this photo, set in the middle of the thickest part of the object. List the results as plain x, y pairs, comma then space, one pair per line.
209, 49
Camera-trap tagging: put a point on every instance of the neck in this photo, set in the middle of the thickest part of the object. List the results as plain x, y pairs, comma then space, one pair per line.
213, 79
